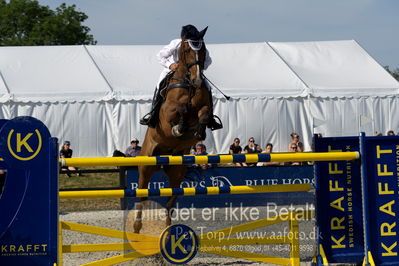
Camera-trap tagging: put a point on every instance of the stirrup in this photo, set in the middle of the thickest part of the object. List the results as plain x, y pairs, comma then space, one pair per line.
146, 119
215, 125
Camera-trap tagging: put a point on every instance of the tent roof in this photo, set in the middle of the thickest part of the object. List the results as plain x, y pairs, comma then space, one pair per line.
102, 73
337, 68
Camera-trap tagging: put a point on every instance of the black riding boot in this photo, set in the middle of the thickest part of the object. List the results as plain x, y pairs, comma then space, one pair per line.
213, 124
151, 118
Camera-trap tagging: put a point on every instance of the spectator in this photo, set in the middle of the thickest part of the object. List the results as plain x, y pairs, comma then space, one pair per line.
66, 152
293, 148
193, 149
268, 149
390, 133
235, 148
200, 149
252, 147
295, 139
378, 134
134, 149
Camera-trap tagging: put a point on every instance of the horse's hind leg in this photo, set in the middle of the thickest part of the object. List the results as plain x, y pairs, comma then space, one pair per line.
176, 174
145, 173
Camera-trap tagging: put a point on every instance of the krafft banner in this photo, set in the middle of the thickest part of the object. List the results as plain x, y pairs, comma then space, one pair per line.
380, 159
339, 202
232, 176
29, 202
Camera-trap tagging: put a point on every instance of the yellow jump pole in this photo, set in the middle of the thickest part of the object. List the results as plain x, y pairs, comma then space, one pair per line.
314, 156
203, 159
165, 192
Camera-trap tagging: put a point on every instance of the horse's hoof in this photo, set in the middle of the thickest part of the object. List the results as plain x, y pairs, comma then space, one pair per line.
175, 131
168, 221
137, 226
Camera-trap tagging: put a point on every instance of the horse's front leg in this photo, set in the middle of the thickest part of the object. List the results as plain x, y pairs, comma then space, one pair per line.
179, 129
203, 120
176, 174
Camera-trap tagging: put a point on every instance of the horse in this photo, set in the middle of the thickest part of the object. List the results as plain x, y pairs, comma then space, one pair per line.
183, 118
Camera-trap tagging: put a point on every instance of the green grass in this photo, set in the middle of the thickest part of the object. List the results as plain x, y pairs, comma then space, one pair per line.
89, 181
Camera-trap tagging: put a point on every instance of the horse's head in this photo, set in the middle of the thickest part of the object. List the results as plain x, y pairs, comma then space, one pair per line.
192, 54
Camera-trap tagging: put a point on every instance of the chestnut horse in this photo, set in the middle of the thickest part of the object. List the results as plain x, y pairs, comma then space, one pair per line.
183, 118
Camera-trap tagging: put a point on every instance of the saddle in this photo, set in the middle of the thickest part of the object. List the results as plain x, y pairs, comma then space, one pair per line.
164, 84
152, 117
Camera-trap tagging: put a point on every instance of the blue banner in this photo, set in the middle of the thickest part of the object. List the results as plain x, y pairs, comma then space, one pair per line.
232, 176
339, 202
380, 157
29, 202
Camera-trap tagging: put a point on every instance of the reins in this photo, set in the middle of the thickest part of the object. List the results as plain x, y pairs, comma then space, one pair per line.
210, 82
186, 83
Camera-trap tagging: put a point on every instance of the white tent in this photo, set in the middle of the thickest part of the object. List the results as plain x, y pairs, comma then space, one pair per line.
94, 96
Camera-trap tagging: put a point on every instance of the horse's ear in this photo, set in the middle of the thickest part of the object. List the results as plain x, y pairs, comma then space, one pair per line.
202, 33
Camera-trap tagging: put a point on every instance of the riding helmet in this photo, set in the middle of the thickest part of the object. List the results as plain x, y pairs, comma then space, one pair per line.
189, 32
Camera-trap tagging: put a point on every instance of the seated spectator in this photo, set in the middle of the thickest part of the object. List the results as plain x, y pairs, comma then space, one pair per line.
293, 148
268, 149
295, 139
66, 152
252, 147
134, 149
200, 149
390, 133
377, 134
192, 149
235, 148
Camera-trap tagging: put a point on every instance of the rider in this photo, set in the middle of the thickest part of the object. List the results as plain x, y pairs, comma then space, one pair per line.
168, 57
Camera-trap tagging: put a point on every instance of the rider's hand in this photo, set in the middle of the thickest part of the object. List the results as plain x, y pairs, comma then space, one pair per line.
173, 66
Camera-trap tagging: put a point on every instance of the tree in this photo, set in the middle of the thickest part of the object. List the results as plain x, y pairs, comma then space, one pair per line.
394, 73
26, 22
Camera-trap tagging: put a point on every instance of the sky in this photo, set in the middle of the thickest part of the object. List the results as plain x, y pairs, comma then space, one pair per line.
374, 24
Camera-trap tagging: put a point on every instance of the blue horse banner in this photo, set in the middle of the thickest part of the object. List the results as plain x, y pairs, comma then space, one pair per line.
232, 176
380, 161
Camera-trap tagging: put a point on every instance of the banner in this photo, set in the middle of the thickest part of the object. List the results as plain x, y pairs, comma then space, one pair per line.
339, 202
380, 158
29, 202
232, 176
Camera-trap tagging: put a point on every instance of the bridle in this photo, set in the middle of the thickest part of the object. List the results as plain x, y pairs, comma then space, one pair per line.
186, 81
